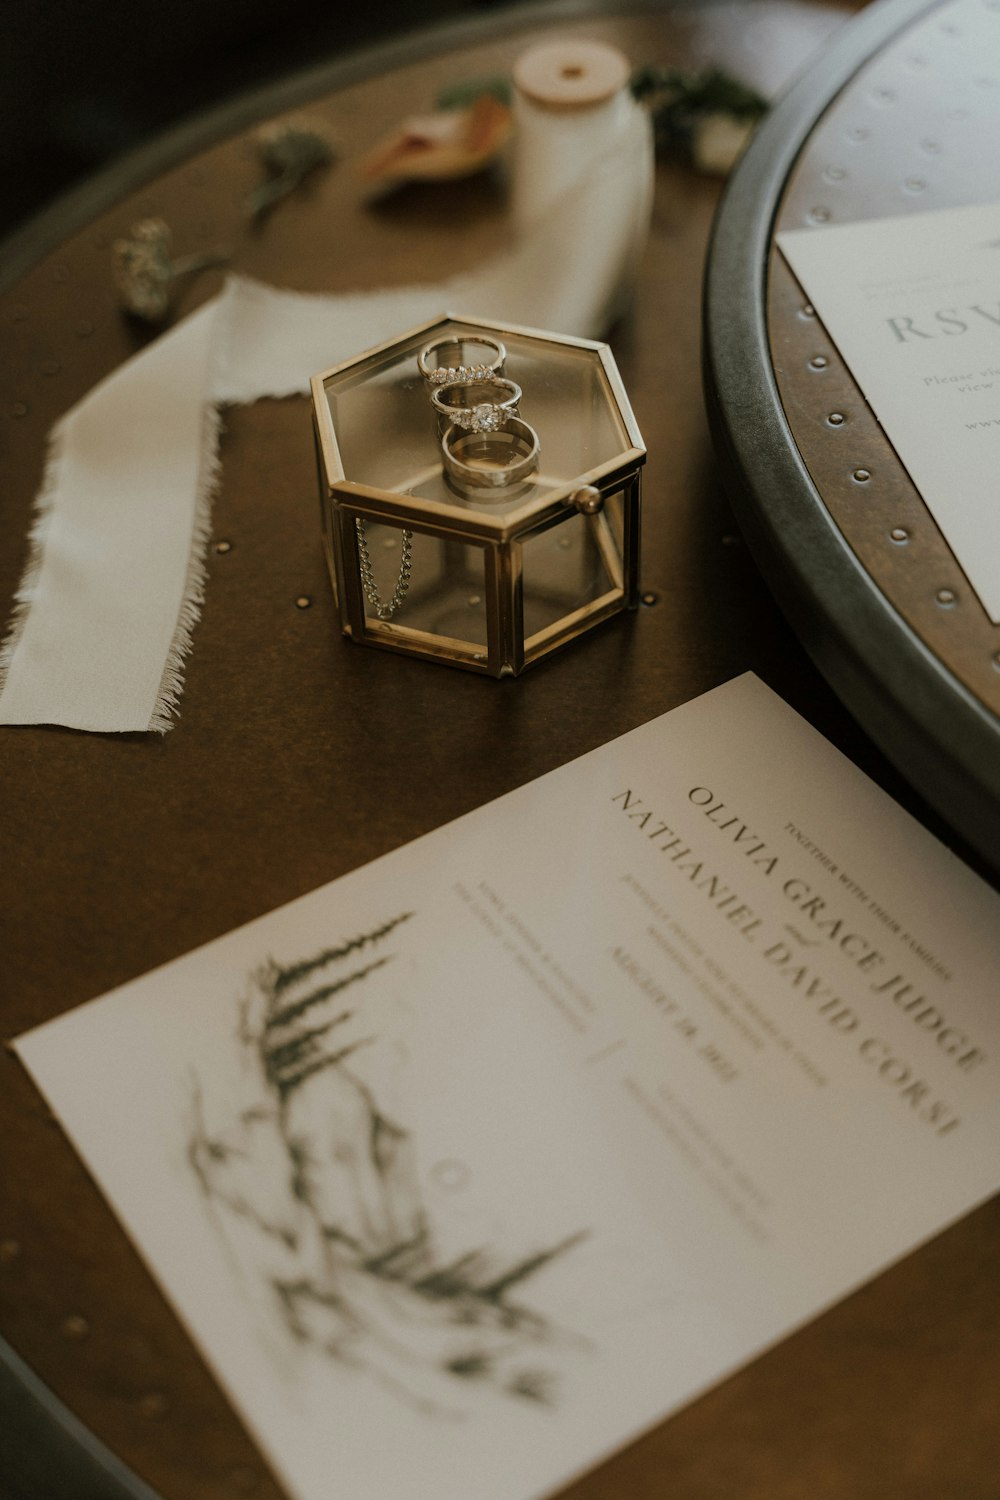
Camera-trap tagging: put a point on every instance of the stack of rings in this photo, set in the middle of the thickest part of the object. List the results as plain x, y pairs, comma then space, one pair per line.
485, 444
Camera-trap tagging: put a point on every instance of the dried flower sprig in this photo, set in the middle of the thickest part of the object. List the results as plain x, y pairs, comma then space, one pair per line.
145, 272
290, 153
708, 116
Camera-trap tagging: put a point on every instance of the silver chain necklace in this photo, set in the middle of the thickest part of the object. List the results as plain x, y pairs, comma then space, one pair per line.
383, 609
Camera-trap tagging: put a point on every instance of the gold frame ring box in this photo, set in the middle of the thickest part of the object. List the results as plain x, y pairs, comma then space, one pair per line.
490, 540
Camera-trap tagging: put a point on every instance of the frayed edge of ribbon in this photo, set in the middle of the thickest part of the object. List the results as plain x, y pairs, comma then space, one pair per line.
42, 512
168, 694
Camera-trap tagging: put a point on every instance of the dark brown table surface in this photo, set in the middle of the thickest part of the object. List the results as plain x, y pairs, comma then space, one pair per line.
298, 756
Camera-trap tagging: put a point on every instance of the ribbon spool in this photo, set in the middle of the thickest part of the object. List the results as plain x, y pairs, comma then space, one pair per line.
583, 147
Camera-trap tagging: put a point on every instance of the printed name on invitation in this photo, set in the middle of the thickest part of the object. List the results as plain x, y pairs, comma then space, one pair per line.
825, 928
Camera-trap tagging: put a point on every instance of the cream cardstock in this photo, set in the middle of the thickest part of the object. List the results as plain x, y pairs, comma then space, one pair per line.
466, 1168
913, 305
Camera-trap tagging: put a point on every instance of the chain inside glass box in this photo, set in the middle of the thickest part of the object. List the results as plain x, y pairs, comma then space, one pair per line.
483, 520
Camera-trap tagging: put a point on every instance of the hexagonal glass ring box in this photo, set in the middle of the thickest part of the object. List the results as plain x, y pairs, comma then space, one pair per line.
485, 520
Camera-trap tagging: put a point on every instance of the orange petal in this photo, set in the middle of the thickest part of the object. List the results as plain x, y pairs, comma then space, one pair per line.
449, 143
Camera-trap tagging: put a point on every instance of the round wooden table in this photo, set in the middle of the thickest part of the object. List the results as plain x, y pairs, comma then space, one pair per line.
298, 756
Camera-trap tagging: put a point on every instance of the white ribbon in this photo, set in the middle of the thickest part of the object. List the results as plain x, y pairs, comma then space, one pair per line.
115, 581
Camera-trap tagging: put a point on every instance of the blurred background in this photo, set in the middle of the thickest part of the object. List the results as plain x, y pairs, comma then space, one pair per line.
85, 80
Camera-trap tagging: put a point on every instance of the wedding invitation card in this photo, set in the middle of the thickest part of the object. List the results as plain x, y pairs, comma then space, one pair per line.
913, 305
466, 1168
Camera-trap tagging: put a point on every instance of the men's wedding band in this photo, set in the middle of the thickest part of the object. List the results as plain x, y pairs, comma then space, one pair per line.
490, 460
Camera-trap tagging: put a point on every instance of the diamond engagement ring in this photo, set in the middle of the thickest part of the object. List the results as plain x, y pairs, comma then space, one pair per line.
448, 361
477, 406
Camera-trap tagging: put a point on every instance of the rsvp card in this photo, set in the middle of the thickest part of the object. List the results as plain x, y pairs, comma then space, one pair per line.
468, 1167
913, 305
